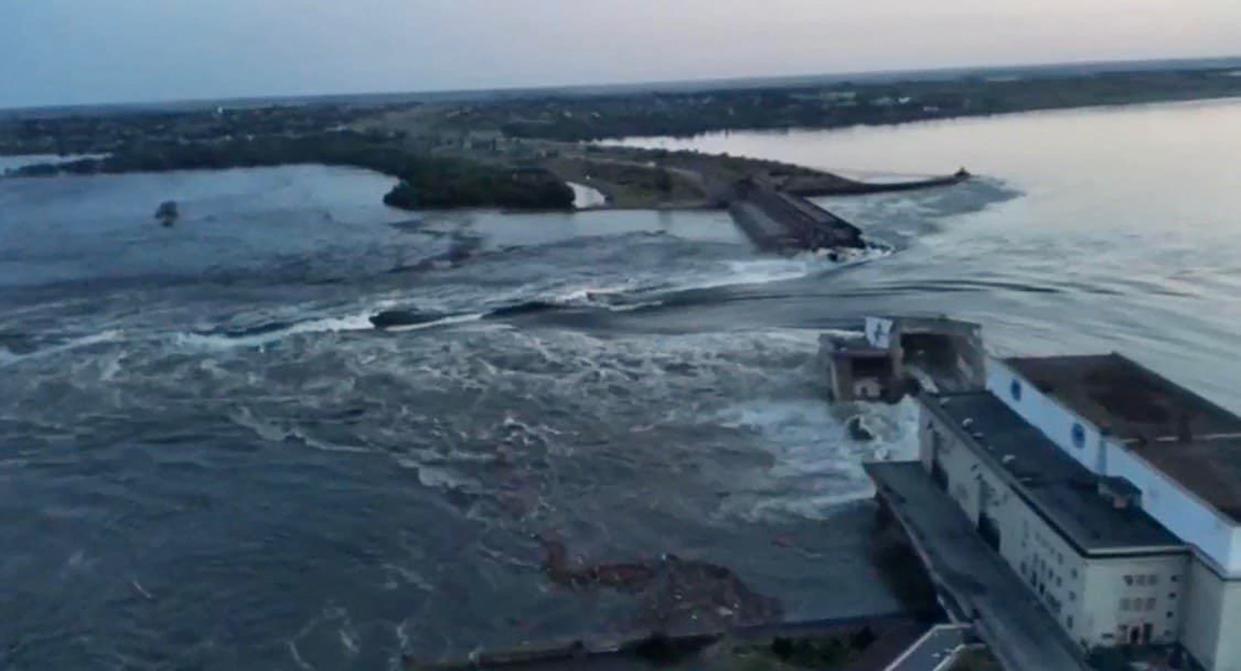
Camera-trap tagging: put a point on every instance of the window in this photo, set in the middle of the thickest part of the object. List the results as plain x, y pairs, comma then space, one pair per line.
1174, 578
1069, 621
1072, 596
1129, 580
1015, 390
1074, 574
1153, 580
1170, 615
1150, 603
1171, 595
1141, 580
1079, 436
1124, 604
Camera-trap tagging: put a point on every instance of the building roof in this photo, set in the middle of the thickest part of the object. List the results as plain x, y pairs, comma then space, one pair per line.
1119, 395
1211, 469
1060, 489
1187, 437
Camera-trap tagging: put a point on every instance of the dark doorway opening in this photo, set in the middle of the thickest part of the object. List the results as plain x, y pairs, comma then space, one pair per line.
939, 475
989, 530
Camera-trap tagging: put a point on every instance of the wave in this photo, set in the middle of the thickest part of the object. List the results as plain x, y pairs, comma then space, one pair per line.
275, 432
744, 272
8, 358
627, 295
583, 299
816, 462
749, 272
267, 334
443, 321
614, 299
264, 334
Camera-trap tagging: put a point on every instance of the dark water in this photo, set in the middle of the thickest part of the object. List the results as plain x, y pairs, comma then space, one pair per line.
209, 459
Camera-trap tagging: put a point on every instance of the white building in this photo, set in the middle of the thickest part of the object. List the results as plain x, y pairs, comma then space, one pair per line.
1114, 493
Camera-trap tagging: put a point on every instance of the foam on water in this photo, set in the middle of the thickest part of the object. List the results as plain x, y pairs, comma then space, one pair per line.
771, 270
439, 323
8, 358
585, 197
360, 321
817, 464
272, 432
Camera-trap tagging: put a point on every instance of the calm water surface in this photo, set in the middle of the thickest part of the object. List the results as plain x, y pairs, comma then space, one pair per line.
1120, 229
208, 458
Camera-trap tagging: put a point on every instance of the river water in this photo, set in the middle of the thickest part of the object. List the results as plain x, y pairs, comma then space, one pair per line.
208, 458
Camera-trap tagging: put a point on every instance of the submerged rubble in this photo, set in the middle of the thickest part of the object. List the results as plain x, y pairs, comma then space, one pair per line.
675, 595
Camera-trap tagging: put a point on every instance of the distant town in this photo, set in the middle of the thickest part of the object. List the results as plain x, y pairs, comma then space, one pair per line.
518, 149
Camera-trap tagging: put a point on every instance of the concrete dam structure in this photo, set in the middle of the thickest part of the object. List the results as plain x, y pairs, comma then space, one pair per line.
777, 221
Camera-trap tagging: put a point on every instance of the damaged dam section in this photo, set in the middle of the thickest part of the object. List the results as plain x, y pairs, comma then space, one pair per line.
778, 217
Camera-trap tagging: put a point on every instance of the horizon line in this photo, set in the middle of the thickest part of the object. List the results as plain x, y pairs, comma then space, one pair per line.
639, 84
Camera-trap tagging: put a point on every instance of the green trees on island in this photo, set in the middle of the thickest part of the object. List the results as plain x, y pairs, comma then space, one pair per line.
426, 181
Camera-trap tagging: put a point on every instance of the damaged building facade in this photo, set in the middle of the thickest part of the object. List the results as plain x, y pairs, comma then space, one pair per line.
1114, 494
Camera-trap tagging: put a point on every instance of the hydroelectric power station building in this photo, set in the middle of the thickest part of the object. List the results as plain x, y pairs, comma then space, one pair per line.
1113, 493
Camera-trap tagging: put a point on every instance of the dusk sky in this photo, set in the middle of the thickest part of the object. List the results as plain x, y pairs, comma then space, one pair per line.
88, 51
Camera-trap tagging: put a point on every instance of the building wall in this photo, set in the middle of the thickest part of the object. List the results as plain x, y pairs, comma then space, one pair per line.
840, 375
1054, 572
1077, 437
1182, 513
1235, 553
1125, 595
1082, 594
1211, 627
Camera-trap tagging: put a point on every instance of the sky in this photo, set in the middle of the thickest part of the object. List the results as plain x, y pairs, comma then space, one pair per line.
98, 51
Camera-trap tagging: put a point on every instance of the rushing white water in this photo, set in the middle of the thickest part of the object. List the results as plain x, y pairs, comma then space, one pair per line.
587, 197
8, 163
209, 457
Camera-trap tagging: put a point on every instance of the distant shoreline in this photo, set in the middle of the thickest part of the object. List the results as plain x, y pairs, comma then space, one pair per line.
622, 142
611, 88
522, 153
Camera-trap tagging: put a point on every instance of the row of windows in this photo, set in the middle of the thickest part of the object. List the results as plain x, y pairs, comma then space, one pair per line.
1143, 580
1044, 569
1137, 604
1041, 541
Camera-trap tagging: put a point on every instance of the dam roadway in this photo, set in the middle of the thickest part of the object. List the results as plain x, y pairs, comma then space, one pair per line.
777, 216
